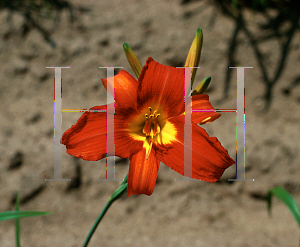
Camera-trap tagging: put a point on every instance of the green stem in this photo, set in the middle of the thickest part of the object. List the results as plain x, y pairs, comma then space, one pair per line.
115, 196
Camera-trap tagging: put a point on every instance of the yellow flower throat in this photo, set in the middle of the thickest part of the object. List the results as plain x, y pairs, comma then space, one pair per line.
150, 129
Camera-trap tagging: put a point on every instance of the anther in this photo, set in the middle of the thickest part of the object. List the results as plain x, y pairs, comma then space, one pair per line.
146, 124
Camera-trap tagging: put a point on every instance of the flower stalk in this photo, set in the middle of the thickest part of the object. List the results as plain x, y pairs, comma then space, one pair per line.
115, 196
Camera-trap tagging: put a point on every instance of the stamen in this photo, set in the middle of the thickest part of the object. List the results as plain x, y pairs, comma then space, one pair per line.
148, 129
156, 125
146, 124
149, 149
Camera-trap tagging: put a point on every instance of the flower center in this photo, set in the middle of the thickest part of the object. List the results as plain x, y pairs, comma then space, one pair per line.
151, 128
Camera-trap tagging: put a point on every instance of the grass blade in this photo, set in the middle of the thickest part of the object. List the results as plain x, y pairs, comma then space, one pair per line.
20, 214
18, 226
287, 199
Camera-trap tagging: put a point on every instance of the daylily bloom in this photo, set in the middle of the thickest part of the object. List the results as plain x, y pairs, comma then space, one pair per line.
148, 125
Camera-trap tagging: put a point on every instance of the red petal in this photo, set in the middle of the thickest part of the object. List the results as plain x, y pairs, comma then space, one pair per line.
209, 158
142, 173
161, 85
201, 102
87, 138
125, 88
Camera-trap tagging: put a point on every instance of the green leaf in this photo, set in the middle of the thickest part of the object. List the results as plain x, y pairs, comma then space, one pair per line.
18, 226
287, 199
118, 193
20, 214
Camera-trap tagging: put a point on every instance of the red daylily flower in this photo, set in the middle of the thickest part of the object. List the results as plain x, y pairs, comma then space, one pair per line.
149, 124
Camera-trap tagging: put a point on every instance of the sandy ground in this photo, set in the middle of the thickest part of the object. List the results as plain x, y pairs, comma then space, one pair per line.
177, 213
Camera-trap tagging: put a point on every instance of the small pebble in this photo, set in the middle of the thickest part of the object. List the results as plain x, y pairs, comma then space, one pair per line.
16, 160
